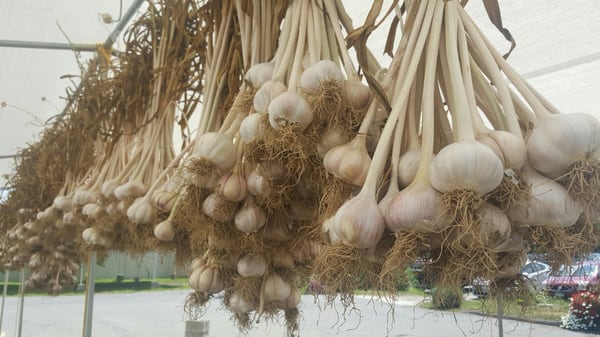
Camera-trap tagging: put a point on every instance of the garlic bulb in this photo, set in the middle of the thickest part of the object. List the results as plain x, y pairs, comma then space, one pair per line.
218, 149
47, 214
237, 303
252, 266
232, 186
250, 217
217, 208
290, 108
91, 210
108, 188
92, 236
133, 188
324, 70
165, 231
207, 279
549, 204
349, 162
357, 95
514, 151
276, 289
82, 197
257, 184
332, 137
359, 222
467, 165
112, 209
197, 262
417, 207
408, 166
251, 128
259, 73
140, 211
265, 95
164, 200
557, 141
63, 203
495, 224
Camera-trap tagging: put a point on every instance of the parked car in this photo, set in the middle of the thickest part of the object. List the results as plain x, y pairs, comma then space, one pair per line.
535, 272
573, 279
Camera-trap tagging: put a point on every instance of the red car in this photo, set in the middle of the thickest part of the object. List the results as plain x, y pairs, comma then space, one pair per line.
573, 279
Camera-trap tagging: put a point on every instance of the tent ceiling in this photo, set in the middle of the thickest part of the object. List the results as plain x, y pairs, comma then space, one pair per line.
558, 51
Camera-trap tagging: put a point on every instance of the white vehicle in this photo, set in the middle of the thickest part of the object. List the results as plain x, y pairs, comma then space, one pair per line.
536, 273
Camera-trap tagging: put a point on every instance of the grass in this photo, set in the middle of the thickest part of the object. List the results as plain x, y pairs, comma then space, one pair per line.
542, 308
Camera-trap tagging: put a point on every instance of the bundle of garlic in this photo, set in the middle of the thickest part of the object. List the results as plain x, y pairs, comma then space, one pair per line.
259, 177
461, 192
32, 214
138, 164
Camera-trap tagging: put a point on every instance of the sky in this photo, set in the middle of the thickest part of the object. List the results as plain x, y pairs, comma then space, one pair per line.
558, 51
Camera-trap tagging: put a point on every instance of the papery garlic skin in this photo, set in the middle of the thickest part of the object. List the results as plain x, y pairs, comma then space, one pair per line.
207, 279
259, 73
495, 224
557, 141
257, 184
164, 231
82, 197
133, 188
276, 289
63, 203
508, 147
232, 187
357, 94
266, 94
217, 208
251, 128
332, 137
218, 149
550, 204
252, 266
140, 211
349, 162
408, 166
290, 109
417, 207
467, 165
359, 222
237, 303
91, 210
250, 217
324, 70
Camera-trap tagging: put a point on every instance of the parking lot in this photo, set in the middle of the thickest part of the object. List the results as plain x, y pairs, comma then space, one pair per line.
160, 314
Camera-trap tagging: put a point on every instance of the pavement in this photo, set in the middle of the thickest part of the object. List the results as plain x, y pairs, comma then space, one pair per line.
160, 314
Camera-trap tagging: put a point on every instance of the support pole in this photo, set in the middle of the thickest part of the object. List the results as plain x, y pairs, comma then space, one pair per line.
21, 303
500, 316
85, 47
154, 284
89, 296
4, 291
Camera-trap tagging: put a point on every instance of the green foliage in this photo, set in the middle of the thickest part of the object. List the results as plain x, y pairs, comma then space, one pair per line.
446, 298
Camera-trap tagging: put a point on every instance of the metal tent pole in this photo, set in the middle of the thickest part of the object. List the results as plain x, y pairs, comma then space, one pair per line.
110, 40
500, 316
89, 296
4, 291
19, 326
89, 47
